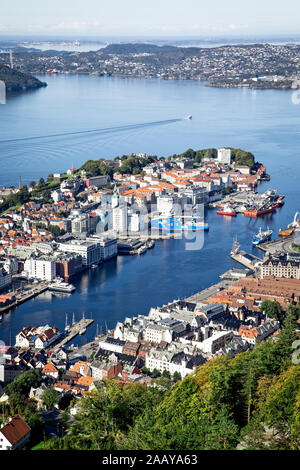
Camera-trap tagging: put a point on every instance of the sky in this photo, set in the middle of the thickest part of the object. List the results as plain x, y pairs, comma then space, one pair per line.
164, 18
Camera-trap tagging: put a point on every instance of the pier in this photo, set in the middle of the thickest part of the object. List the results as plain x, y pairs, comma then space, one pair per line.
73, 332
244, 258
24, 296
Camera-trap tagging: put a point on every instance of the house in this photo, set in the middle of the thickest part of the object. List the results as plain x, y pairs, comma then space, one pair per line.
50, 370
86, 382
14, 435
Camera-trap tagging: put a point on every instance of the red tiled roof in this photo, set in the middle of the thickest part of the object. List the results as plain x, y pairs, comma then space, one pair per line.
15, 430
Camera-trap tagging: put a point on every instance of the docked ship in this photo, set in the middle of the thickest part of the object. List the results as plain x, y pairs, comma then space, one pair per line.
286, 232
171, 224
60, 286
254, 212
262, 237
227, 210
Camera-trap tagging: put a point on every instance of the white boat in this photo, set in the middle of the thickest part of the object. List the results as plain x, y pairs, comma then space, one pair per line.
142, 250
82, 331
189, 117
61, 287
94, 266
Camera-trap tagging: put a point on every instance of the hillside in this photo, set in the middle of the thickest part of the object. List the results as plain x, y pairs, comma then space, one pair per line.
18, 81
251, 401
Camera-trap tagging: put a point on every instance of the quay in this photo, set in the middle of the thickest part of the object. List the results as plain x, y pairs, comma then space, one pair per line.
73, 332
236, 273
205, 294
280, 244
244, 258
24, 296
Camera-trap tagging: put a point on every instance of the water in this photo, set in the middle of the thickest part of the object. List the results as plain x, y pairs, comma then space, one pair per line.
263, 122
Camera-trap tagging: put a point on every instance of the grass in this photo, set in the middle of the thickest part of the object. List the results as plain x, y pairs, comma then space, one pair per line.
39, 446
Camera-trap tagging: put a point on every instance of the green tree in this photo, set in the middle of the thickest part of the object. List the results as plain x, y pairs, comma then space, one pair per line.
50, 397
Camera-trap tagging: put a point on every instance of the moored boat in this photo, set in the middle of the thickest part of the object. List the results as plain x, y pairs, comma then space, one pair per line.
227, 210
262, 237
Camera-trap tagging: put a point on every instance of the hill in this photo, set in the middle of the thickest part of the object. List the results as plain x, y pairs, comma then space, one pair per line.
18, 81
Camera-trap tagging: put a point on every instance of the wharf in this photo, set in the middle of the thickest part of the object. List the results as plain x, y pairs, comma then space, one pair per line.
246, 259
210, 291
280, 244
24, 296
236, 274
73, 332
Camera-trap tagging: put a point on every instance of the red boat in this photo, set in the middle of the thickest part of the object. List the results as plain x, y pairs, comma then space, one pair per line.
258, 212
227, 210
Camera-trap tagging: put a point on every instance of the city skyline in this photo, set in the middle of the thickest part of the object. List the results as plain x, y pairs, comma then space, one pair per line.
135, 19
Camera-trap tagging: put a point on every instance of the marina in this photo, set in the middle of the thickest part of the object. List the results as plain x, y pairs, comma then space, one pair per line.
77, 328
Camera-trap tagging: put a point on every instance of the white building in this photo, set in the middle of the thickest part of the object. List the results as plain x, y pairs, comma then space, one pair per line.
40, 268
134, 222
224, 156
120, 219
14, 435
165, 204
108, 246
88, 250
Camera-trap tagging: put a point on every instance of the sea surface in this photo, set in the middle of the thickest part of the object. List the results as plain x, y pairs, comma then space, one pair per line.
139, 115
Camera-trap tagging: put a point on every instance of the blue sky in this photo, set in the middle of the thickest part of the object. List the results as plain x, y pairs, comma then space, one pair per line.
150, 18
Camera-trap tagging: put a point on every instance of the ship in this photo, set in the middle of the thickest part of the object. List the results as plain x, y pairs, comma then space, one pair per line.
262, 237
286, 232
257, 212
61, 287
227, 210
150, 244
172, 224
189, 117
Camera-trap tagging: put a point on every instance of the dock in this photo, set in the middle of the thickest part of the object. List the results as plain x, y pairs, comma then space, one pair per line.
205, 294
244, 258
73, 332
24, 296
236, 273
280, 244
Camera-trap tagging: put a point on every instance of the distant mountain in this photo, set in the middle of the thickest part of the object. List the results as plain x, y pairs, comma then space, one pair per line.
136, 49
18, 81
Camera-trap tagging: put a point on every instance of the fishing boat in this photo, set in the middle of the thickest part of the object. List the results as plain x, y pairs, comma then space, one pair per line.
227, 210
262, 237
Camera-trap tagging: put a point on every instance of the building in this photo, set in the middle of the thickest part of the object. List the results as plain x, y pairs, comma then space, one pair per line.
38, 337
173, 360
88, 250
280, 266
108, 246
112, 344
5, 278
68, 265
224, 156
97, 181
14, 435
43, 268
120, 219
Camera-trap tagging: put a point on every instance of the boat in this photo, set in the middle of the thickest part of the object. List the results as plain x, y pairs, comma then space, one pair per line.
150, 244
227, 210
60, 286
1, 316
189, 117
257, 212
67, 327
142, 250
235, 247
262, 237
94, 266
82, 331
286, 232
171, 224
